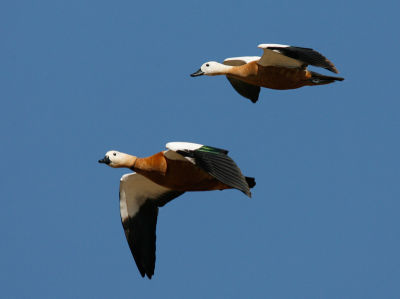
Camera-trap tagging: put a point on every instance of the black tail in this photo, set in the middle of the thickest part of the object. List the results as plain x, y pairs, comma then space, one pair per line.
250, 181
322, 79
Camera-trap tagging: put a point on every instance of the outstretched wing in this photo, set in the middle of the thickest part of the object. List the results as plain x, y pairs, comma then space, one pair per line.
290, 56
246, 90
139, 201
212, 160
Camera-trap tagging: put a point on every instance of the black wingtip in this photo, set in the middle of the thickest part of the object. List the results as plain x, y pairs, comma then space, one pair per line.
254, 100
246, 90
308, 56
250, 181
330, 67
253, 96
323, 79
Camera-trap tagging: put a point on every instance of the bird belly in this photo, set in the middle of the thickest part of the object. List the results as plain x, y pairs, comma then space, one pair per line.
279, 77
185, 176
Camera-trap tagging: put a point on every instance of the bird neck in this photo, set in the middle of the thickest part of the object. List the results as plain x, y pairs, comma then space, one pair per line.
155, 163
130, 161
245, 70
221, 69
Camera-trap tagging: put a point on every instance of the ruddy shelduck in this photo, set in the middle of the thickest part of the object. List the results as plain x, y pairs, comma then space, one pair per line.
280, 67
159, 179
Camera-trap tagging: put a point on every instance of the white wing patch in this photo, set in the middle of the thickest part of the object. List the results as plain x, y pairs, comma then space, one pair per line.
263, 46
176, 146
180, 146
134, 190
274, 58
235, 61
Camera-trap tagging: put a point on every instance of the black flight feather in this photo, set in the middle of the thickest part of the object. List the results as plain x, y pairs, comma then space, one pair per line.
306, 55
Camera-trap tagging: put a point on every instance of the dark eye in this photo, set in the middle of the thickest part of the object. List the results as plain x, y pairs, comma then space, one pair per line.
207, 64
114, 154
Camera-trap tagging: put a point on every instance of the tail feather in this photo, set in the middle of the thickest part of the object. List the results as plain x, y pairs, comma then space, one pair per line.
322, 79
250, 181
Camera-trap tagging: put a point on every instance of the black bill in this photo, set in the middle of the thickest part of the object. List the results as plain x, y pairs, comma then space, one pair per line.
198, 73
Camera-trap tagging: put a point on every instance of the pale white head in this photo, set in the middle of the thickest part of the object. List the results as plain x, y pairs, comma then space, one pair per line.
212, 68
117, 159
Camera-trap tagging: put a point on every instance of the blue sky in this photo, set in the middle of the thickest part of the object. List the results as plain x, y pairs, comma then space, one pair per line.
79, 78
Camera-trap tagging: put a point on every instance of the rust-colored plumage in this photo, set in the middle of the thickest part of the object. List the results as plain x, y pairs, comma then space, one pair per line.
281, 67
179, 175
272, 76
162, 177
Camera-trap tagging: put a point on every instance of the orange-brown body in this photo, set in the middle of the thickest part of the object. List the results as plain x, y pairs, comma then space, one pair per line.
177, 175
272, 76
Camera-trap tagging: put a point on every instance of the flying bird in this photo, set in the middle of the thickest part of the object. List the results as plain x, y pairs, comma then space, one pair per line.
280, 67
160, 178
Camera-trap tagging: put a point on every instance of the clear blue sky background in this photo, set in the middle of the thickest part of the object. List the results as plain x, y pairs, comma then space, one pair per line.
78, 78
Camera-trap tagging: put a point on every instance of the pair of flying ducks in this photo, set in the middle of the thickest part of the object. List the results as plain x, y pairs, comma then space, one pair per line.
184, 166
